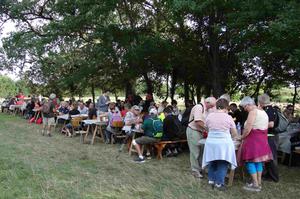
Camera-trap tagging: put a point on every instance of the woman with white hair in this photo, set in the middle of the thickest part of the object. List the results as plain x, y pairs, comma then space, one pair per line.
255, 148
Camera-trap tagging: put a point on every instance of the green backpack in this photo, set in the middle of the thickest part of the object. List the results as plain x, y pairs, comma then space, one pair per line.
158, 128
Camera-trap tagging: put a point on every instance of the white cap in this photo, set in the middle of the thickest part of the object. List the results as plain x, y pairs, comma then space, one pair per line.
52, 96
153, 111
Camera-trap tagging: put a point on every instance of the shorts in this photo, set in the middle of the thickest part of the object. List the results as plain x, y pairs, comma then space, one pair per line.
146, 140
48, 121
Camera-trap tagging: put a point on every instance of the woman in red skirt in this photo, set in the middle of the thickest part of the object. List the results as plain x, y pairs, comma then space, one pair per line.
255, 148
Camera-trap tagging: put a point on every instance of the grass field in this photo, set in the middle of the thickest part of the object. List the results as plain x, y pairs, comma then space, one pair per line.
33, 166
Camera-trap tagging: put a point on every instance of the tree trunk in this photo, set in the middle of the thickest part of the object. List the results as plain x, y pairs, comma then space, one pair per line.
129, 89
198, 94
93, 93
148, 83
116, 96
186, 91
214, 59
193, 94
173, 83
295, 96
167, 93
256, 92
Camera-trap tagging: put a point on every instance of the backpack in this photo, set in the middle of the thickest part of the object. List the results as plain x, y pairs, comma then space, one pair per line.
46, 107
280, 123
158, 128
116, 120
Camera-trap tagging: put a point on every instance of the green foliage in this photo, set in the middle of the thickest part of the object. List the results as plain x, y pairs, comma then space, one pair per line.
212, 46
7, 87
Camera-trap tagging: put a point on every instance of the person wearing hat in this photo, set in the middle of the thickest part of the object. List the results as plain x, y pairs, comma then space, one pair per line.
271, 168
48, 110
132, 119
150, 127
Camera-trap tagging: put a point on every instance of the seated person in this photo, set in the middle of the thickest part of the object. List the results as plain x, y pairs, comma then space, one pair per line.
126, 108
162, 106
288, 113
92, 112
73, 111
29, 109
62, 110
132, 119
172, 128
82, 108
175, 107
152, 128
114, 117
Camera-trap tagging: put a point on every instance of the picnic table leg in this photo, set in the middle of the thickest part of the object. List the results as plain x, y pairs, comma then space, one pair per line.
230, 178
159, 148
101, 133
94, 134
87, 133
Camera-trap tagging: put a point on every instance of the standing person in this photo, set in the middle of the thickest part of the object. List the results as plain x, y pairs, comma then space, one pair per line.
194, 134
235, 113
48, 110
103, 102
219, 150
271, 168
210, 105
255, 148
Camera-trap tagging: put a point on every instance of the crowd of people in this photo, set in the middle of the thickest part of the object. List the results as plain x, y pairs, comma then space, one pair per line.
217, 121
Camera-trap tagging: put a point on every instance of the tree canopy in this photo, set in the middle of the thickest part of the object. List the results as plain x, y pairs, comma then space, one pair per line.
206, 47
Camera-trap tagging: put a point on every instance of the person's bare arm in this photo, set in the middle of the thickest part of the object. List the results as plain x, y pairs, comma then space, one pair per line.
249, 124
233, 132
271, 124
200, 124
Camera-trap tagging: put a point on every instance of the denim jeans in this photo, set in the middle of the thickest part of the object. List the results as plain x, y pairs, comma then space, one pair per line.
217, 171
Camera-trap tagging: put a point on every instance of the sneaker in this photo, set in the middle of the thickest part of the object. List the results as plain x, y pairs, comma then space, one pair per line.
252, 187
148, 156
220, 187
169, 153
197, 174
43, 133
139, 160
210, 182
49, 135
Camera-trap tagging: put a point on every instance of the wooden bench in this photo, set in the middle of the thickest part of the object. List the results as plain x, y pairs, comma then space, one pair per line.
162, 144
296, 151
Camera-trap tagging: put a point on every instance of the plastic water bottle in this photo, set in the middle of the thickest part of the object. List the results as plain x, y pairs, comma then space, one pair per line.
238, 128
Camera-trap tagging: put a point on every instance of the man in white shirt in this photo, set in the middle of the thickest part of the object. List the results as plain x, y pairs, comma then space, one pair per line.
82, 108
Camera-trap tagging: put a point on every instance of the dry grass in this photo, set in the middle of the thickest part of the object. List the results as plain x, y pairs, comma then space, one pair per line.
33, 166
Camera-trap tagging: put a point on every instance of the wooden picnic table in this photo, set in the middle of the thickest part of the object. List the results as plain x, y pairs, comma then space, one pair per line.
98, 124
